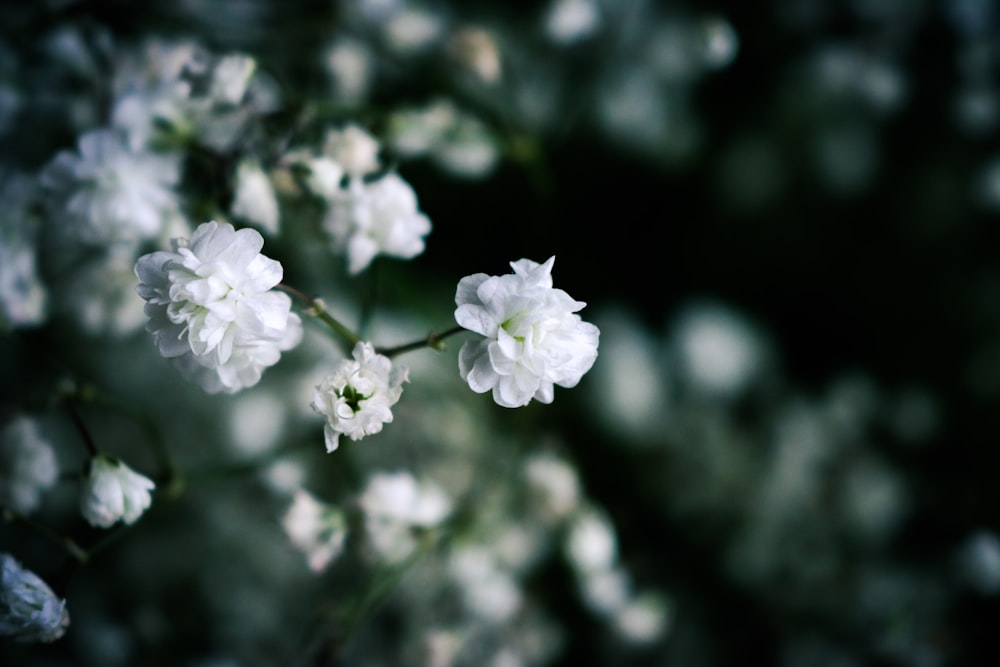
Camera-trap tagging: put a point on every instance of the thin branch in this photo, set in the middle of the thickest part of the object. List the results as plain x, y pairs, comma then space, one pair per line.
433, 340
316, 308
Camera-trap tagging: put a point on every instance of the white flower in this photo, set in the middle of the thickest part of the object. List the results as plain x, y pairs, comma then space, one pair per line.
316, 529
457, 141
112, 491
211, 308
534, 338
591, 543
231, 77
110, 192
255, 200
23, 297
27, 466
354, 149
357, 397
396, 503
29, 610
377, 218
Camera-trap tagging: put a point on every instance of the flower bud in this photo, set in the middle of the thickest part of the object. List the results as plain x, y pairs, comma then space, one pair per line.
29, 610
113, 491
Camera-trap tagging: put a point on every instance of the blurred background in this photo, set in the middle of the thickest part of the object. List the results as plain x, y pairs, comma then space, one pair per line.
782, 216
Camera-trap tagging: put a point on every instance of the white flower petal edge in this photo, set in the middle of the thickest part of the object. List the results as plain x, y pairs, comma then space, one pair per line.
112, 491
212, 310
357, 397
533, 337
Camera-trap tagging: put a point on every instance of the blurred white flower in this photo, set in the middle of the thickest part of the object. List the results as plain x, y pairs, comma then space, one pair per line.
591, 543
110, 192
379, 218
719, 352
555, 482
255, 200
394, 504
112, 491
28, 465
534, 338
644, 619
23, 297
212, 309
456, 141
570, 21
489, 591
978, 562
354, 149
323, 175
100, 295
316, 529
231, 77
476, 50
351, 67
29, 610
357, 398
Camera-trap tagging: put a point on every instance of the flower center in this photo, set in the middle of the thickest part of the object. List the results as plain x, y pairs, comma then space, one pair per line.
352, 397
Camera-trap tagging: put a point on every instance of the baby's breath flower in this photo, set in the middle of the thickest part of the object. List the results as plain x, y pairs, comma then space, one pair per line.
533, 337
353, 149
379, 218
112, 491
111, 192
357, 397
27, 465
255, 200
396, 503
316, 529
212, 309
29, 610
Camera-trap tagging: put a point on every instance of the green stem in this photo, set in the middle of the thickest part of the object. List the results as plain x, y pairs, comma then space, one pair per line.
317, 309
81, 428
433, 340
368, 300
169, 476
72, 548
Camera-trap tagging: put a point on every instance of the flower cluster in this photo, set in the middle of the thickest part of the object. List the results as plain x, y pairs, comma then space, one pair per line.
357, 397
212, 309
533, 337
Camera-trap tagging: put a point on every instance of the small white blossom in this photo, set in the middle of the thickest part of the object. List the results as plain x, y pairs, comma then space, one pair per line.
555, 484
394, 504
534, 338
212, 310
456, 141
27, 466
109, 192
113, 492
316, 529
230, 78
379, 218
591, 543
323, 176
29, 610
255, 200
357, 397
354, 149
23, 297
